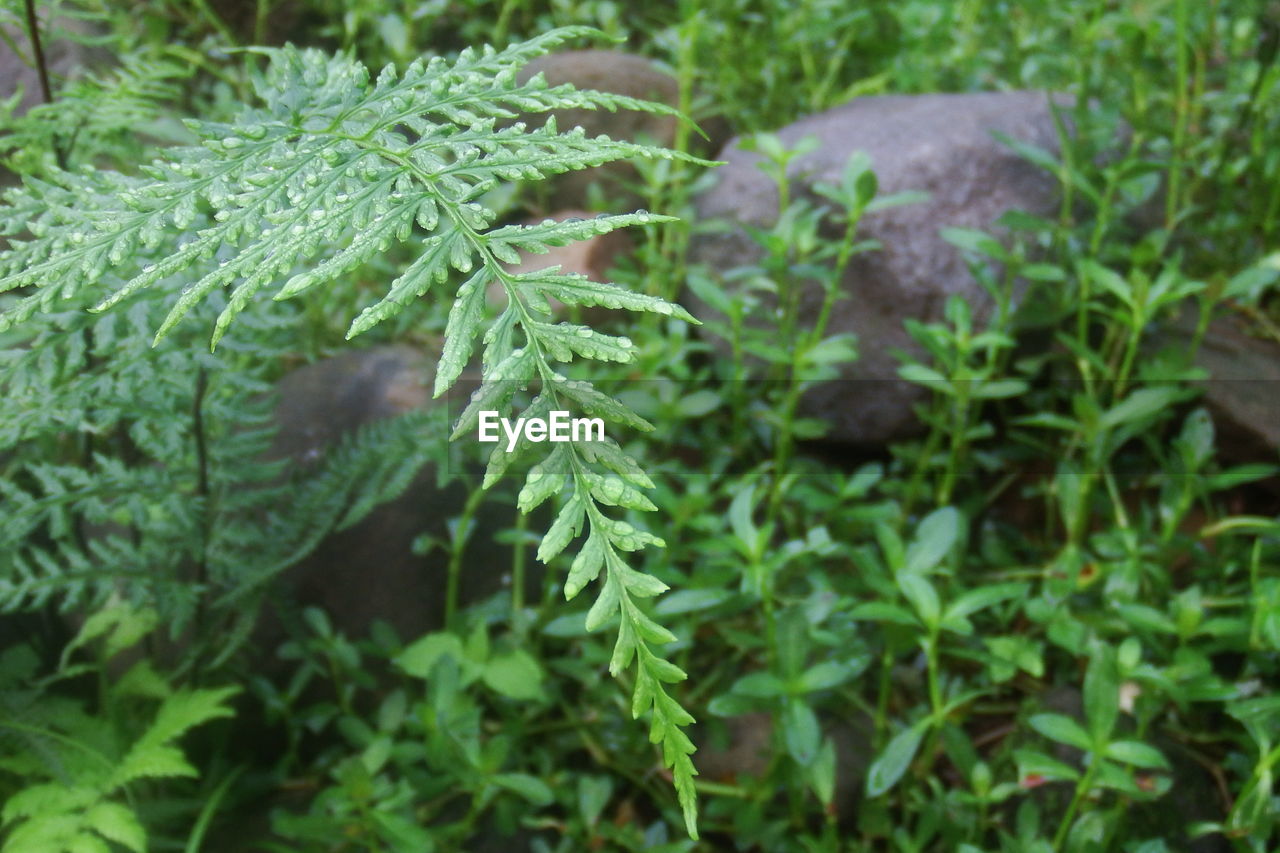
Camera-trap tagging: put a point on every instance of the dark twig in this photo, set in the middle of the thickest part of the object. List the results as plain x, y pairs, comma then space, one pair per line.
42, 70
37, 50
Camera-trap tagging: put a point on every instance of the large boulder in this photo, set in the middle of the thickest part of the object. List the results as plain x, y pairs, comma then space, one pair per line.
939, 144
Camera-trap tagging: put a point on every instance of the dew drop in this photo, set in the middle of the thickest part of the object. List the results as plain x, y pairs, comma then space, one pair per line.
612, 489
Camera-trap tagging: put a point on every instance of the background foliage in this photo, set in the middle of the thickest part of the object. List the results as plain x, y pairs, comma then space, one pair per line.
1051, 623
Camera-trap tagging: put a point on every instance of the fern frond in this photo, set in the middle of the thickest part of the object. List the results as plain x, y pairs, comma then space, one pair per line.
324, 163
335, 167
77, 765
94, 116
153, 755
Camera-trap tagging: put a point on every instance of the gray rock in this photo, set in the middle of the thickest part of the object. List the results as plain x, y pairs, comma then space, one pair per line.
1243, 378
330, 398
621, 74
740, 747
610, 71
939, 144
369, 571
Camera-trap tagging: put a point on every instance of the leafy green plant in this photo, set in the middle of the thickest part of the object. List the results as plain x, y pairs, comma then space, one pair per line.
1049, 623
81, 775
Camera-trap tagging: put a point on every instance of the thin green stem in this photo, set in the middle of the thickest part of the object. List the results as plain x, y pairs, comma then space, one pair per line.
518, 560
1182, 110
212, 19
500, 29
1082, 789
882, 696
959, 439
460, 535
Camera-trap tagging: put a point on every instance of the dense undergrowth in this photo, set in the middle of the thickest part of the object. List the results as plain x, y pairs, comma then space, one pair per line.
1051, 622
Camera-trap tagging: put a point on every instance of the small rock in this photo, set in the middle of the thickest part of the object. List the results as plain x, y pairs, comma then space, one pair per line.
741, 747
323, 401
369, 571
615, 72
939, 144
621, 74
1244, 373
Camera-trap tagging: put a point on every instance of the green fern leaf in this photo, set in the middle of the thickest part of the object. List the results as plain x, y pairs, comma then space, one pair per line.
151, 762
185, 710
44, 799
332, 167
117, 823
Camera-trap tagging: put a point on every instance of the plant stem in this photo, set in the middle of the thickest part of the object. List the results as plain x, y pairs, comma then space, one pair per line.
882, 697
37, 51
1082, 788
42, 71
460, 535
1182, 109
260, 21
214, 21
517, 572
959, 428
500, 29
